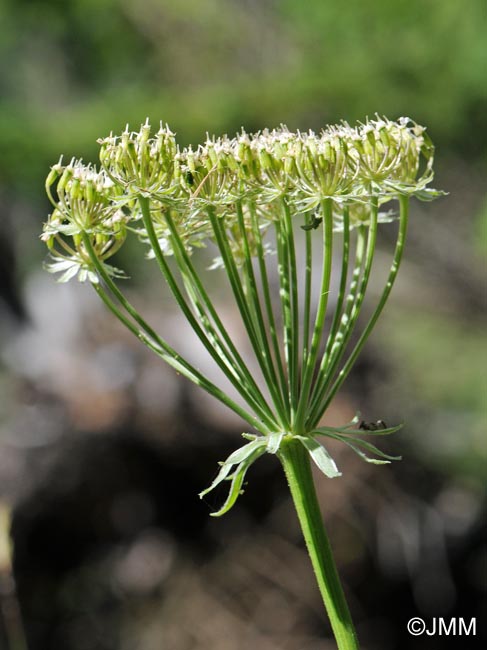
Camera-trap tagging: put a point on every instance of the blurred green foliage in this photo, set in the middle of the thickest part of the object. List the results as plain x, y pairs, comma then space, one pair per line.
442, 385
421, 348
72, 71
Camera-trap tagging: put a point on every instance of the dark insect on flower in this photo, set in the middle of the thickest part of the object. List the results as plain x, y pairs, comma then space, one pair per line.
189, 178
314, 223
372, 426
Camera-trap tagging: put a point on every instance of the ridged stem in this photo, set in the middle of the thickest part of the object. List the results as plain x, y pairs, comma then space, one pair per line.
296, 462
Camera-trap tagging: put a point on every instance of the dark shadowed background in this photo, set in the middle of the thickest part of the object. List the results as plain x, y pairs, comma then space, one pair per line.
103, 449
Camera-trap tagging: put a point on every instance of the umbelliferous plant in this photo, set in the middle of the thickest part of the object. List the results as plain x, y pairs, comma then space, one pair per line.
260, 202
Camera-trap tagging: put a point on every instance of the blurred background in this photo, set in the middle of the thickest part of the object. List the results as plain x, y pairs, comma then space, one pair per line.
103, 449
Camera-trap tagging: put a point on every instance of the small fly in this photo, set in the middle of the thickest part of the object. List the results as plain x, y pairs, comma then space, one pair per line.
372, 426
314, 223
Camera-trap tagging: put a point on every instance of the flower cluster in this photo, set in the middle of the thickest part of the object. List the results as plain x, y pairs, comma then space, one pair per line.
229, 193
88, 205
378, 160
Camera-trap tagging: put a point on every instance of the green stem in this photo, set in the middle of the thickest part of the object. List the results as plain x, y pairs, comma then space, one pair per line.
266, 290
154, 342
201, 302
224, 362
255, 337
396, 262
339, 337
307, 292
311, 362
296, 463
341, 291
285, 298
255, 307
342, 337
290, 255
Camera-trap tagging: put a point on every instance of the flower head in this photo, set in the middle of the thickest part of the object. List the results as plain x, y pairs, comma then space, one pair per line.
88, 205
242, 196
141, 163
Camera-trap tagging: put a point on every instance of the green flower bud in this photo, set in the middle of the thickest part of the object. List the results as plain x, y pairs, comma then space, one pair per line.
90, 191
75, 189
66, 176
190, 160
53, 175
265, 160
